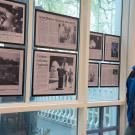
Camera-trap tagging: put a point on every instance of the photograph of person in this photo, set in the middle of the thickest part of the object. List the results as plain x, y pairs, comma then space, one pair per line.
11, 18
93, 74
95, 42
60, 72
67, 33
114, 50
91, 77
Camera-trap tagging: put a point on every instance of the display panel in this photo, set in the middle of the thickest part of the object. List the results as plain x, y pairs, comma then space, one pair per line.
54, 73
11, 72
12, 22
109, 75
55, 31
112, 48
95, 46
93, 75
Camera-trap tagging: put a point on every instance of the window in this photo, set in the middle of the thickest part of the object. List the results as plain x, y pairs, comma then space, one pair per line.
103, 120
106, 19
66, 114
44, 122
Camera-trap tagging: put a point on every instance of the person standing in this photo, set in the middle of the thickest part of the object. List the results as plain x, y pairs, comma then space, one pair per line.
61, 74
130, 95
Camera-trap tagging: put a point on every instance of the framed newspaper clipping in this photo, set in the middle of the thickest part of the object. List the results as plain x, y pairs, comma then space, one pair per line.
54, 73
55, 31
112, 48
12, 22
93, 75
109, 75
11, 72
95, 46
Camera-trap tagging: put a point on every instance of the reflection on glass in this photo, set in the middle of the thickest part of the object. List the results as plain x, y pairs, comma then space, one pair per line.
93, 118
103, 94
53, 98
110, 116
93, 134
45, 122
65, 7
110, 133
106, 16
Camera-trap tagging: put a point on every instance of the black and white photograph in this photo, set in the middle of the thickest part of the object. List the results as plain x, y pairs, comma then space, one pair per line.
12, 22
95, 46
110, 75
61, 71
67, 34
112, 48
93, 75
11, 71
60, 30
54, 73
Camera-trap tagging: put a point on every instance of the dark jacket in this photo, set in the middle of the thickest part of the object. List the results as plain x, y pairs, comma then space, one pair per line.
131, 98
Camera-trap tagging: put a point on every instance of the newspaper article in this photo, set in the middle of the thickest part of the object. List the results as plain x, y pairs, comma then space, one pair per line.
93, 75
112, 48
54, 73
95, 46
109, 75
12, 22
11, 71
56, 31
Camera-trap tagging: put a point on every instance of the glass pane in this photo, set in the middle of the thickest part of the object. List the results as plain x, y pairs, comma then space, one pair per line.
106, 16
45, 122
65, 7
93, 134
110, 133
93, 118
101, 94
10, 14
110, 116
106, 19
53, 98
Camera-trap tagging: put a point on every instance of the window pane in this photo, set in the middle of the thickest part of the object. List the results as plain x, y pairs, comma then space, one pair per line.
110, 116
103, 120
13, 99
93, 118
106, 16
53, 98
45, 122
103, 94
93, 134
65, 7
106, 19
110, 133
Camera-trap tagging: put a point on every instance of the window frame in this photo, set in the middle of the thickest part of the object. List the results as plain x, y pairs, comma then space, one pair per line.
81, 103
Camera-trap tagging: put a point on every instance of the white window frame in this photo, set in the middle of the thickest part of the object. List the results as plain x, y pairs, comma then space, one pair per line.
82, 103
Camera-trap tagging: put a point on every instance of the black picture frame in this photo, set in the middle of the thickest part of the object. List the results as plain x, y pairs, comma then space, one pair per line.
23, 71
52, 45
33, 74
93, 51
97, 83
118, 73
24, 28
117, 55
